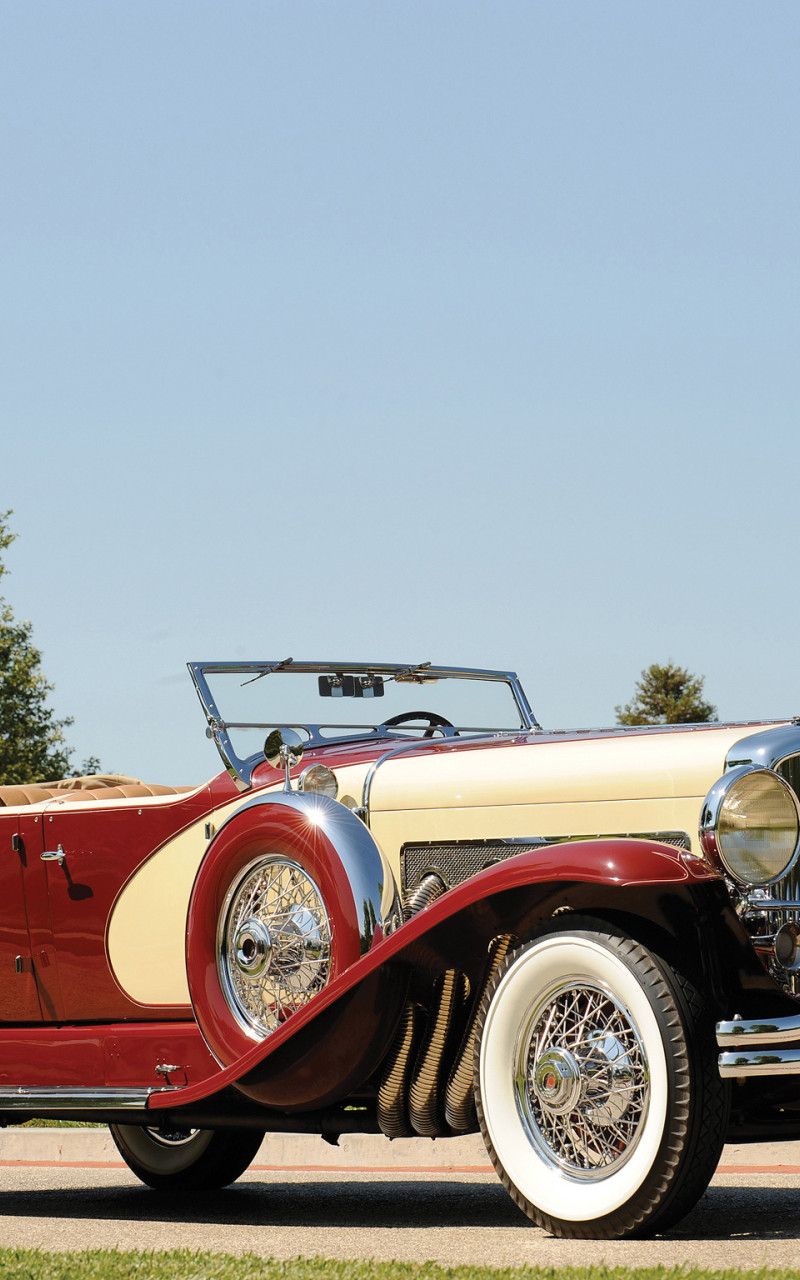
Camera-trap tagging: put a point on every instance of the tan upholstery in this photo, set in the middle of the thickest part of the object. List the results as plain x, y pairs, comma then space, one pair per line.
128, 791
33, 793
105, 786
90, 782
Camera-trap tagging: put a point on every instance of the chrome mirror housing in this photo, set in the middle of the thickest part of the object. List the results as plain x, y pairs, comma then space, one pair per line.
283, 749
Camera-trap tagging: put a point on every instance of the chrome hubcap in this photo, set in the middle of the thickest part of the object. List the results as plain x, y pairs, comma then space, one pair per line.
582, 1080
557, 1081
252, 948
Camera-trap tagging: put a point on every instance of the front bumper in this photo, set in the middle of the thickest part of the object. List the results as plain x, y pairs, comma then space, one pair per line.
767, 1047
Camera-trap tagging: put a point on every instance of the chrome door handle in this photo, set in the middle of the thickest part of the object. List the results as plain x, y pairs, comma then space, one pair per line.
58, 856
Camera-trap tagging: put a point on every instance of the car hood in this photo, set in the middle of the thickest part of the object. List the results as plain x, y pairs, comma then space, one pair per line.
591, 765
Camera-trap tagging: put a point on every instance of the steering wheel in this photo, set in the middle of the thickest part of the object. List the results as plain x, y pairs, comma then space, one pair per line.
434, 721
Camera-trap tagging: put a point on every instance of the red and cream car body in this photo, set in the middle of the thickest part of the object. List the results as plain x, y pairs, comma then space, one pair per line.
419, 923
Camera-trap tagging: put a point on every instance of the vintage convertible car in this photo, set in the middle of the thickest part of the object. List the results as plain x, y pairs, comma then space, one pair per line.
413, 911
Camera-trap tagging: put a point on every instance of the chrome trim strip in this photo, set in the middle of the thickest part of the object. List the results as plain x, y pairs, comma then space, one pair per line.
62, 1099
676, 839
758, 905
375, 766
759, 1031
766, 1063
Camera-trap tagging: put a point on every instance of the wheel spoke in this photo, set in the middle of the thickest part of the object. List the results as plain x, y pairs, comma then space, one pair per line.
584, 1075
282, 897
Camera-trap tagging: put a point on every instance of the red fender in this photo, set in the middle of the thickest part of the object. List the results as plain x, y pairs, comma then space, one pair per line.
614, 863
324, 843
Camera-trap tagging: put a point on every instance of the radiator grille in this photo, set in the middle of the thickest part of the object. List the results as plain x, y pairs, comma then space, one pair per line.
788, 889
458, 860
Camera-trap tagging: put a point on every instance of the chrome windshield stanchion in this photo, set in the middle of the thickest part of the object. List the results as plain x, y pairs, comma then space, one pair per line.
461, 702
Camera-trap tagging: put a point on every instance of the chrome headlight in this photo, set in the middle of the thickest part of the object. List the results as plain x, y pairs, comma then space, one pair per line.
750, 822
319, 780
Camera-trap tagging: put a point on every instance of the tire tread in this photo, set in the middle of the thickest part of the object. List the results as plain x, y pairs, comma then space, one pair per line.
692, 1142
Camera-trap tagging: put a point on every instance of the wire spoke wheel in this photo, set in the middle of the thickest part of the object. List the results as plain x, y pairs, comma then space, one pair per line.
582, 1080
596, 1083
274, 943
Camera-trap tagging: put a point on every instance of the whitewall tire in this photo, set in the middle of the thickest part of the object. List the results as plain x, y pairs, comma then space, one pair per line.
596, 1084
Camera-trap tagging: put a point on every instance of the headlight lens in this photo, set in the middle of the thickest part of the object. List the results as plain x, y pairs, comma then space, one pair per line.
757, 828
320, 781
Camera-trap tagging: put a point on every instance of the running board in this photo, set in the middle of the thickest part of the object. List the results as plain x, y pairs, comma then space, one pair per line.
40, 1101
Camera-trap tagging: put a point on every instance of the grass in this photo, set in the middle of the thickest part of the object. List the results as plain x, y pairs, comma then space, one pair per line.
183, 1264
60, 1124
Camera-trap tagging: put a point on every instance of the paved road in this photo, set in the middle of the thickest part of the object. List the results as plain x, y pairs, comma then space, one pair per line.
749, 1217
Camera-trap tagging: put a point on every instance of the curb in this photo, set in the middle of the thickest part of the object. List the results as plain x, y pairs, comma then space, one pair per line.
368, 1152
278, 1150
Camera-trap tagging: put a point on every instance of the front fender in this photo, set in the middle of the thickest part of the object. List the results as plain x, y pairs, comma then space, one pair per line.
639, 880
368, 880
292, 892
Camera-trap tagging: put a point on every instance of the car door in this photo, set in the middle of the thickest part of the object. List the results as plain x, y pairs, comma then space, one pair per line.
86, 853
19, 995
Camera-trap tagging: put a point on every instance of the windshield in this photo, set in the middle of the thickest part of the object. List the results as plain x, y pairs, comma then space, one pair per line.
327, 702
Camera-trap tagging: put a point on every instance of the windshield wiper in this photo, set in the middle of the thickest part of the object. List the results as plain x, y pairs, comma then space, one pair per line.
273, 666
413, 674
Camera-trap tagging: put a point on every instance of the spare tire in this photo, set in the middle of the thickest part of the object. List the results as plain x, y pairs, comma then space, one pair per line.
293, 890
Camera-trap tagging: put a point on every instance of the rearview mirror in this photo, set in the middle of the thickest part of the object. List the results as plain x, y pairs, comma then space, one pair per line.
341, 686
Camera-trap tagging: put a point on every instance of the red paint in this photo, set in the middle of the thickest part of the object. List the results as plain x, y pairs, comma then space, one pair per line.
122, 1055
69, 905
19, 998
62, 1164
272, 828
618, 862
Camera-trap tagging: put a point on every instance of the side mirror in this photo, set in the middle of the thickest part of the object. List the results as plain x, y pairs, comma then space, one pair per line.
283, 749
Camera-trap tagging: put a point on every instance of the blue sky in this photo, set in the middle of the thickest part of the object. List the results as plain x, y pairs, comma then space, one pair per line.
401, 331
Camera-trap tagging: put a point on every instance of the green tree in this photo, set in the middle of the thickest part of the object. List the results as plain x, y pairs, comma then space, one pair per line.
32, 742
667, 695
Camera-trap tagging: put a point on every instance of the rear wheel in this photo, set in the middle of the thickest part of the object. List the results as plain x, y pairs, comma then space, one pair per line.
596, 1084
186, 1159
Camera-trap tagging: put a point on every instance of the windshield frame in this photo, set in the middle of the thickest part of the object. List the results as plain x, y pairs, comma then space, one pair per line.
241, 770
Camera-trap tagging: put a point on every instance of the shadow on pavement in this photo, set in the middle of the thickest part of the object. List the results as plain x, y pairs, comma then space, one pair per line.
724, 1213
354, 1204
742, 1213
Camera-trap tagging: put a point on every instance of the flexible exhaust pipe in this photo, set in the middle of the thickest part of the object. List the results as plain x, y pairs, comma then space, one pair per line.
459, 1106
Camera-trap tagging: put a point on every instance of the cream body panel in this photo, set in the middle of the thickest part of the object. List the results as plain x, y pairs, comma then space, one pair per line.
146, 938
639, 783
621, 817
351, 782
147, 929
636, 767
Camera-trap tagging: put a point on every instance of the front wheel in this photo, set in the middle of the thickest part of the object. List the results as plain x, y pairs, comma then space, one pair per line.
596, 1084
186, 1159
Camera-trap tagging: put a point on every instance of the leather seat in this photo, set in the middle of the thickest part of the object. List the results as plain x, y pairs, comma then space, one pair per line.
78, 790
